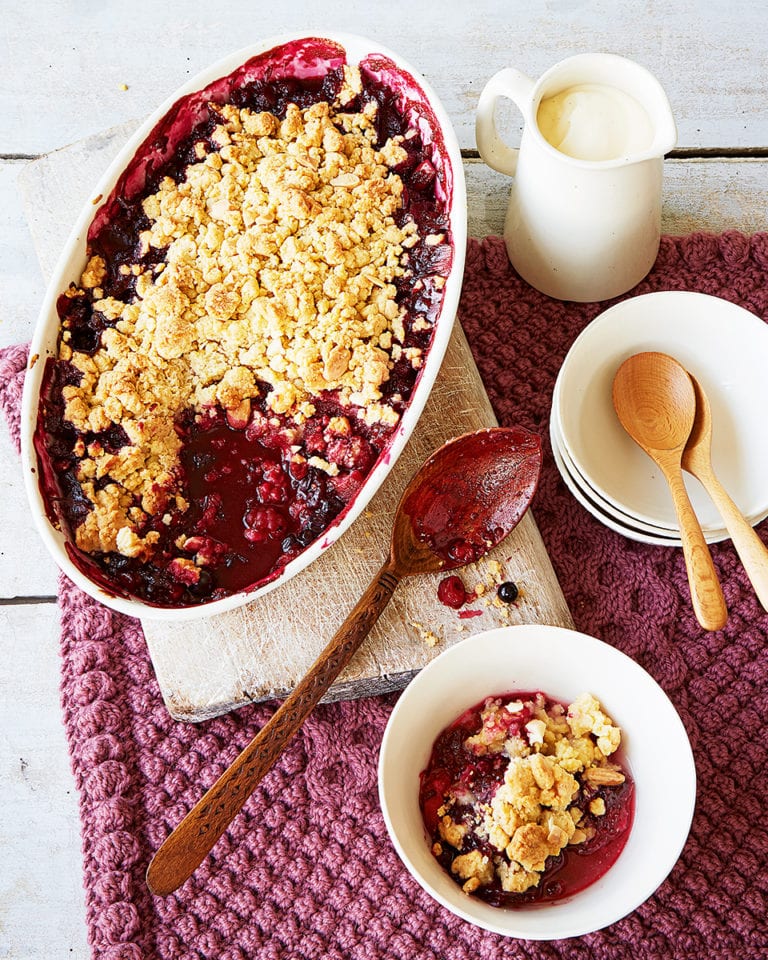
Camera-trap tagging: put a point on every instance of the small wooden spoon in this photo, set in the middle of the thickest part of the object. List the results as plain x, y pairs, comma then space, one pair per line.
464, 500
655, 401
697, 460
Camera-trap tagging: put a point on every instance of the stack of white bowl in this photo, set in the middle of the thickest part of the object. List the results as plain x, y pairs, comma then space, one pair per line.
726, 348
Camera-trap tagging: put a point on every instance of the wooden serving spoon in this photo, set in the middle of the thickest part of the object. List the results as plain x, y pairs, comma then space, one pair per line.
464, 500
697, 460
655, 401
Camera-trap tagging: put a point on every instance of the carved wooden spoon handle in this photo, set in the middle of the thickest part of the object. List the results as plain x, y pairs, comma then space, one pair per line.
750, 548
184, 850
706, 592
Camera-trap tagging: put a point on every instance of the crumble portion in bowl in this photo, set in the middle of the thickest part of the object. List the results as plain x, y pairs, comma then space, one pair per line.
521, 800
244, 338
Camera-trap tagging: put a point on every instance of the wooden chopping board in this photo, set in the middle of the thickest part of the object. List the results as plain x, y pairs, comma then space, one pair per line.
262, 649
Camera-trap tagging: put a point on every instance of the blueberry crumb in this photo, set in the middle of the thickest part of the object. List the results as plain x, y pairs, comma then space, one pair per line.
508, 592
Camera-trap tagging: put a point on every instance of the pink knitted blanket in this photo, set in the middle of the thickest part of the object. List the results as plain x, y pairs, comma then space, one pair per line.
308, 871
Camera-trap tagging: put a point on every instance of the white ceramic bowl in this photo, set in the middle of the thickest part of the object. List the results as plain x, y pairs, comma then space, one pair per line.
725, 347
563, 664
420, 99
590, 500
608, 513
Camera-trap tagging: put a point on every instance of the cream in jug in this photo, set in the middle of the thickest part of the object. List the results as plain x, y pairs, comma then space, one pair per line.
584, 215
592, 121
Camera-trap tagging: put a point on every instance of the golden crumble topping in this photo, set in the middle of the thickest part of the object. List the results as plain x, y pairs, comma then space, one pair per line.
280, 254
533, 815
475, 868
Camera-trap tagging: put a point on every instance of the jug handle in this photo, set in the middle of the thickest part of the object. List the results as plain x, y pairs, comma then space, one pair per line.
515, 86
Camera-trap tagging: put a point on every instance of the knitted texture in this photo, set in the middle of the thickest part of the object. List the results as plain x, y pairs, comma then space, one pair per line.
307, 870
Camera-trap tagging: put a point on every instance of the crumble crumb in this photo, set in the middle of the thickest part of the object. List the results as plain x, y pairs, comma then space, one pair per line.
475, 868
425, 634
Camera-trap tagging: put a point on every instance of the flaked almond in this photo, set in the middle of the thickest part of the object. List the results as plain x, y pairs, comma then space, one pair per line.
581, 836
336, 363
238, 416
603, 776
345, 180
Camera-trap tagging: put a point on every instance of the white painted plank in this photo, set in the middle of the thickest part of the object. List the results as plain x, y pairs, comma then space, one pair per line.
708, 195
21, 281
40, 881
26, 568
65, 65
715, 196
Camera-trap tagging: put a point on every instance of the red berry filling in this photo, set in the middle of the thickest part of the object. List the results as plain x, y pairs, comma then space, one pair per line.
466, 770
452, 593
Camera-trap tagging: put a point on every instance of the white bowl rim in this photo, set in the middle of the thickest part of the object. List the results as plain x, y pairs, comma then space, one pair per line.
623, 329
47, 325
589, 499
540, 922
603, 510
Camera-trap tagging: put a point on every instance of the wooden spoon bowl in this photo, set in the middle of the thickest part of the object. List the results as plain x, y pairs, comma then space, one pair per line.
655, 402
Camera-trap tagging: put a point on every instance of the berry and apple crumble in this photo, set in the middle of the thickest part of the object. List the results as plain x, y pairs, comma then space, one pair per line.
523, 798
249, 326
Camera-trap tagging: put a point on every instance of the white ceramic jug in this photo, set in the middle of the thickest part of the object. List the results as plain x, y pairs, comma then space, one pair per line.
579, 229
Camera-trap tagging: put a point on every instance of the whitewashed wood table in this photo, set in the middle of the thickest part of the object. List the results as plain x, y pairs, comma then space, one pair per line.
71, 71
